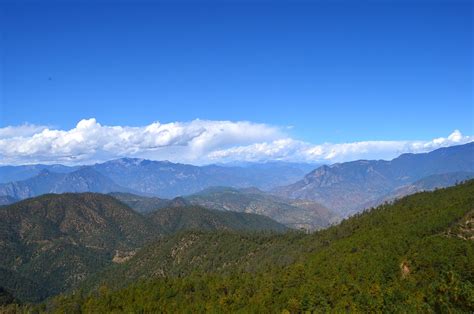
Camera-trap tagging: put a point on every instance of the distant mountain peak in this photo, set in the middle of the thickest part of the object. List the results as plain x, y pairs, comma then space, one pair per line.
346, 187
126, 161
178, 202
85, 179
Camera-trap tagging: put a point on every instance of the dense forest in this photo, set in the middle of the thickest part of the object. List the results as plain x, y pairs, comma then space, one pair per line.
51, 243
415, 255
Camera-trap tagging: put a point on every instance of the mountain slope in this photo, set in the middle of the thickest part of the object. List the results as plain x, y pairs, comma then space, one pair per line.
82, 180
345, 187
173, 219
171, 179
296, 214
292, 213
55, 241
405, 257
189, 252
181, 214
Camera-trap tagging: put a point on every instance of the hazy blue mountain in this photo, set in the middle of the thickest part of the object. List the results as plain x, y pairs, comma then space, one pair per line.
270, 164
293, 213
7, 200
85, 179
19, 173
346, 187
153, 178
429, 183
343, 187
166, 179
411, 167
274, 171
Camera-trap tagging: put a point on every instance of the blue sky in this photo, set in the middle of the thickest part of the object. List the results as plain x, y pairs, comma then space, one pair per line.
323, 72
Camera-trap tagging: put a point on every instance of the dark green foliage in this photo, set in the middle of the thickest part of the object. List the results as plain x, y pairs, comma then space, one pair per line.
55, 241
187, 252
13, 282
404, 257
5, 297
51, 243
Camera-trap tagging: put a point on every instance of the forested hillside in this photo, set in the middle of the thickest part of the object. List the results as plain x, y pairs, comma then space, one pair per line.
55, 241
415, 255
51, 243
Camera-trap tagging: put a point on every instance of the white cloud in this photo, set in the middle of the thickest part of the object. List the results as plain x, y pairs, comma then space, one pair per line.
21, 130
289, 149
90, 141
198, 141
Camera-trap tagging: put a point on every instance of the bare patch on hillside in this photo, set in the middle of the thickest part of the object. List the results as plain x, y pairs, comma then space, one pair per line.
405, 269
464, 229
121, 256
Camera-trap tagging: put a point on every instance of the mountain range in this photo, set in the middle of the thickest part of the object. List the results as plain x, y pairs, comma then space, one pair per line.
295, 214
159, 252
146, 177
19, 173
85, 179
352, 186
342, 188
413, 255
429, 183
168, 180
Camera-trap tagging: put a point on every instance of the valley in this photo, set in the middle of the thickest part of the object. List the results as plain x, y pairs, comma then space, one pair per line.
290, 157
79, 230
407, 256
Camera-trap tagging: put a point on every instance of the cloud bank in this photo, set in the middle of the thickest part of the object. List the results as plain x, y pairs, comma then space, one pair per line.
198, 142
290, 149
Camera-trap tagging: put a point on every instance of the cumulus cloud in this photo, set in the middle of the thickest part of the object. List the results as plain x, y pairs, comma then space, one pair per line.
21, 130
90, 141
290, 149
198, 141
